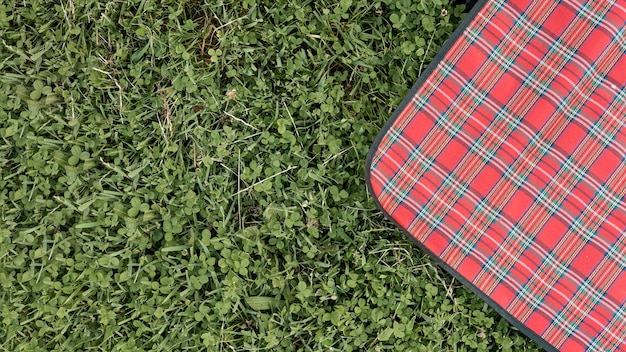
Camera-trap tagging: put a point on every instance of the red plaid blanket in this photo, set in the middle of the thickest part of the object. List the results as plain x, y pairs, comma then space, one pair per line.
507, 163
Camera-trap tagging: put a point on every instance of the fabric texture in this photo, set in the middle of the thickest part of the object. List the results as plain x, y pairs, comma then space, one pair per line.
507, 163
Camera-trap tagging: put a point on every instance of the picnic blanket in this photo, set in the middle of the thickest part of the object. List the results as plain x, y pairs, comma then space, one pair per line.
506, 163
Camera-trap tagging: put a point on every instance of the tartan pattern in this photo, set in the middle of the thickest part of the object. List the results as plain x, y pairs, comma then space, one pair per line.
509, 164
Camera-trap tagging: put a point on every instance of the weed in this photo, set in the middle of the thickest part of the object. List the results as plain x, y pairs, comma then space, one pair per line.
188, 175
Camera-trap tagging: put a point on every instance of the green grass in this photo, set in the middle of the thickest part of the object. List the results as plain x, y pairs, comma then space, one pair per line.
188, 175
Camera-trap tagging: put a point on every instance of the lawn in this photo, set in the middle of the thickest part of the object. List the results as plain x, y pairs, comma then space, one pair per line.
188, 175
